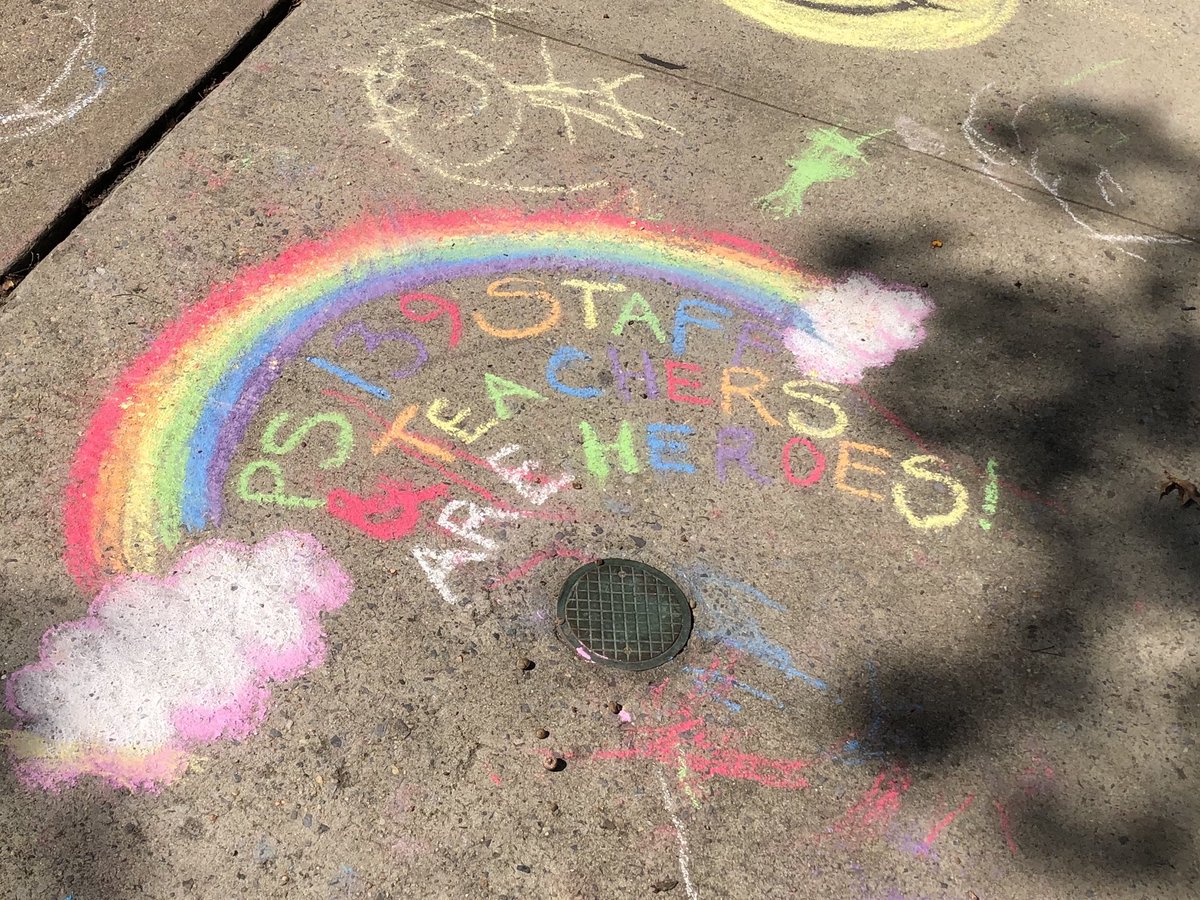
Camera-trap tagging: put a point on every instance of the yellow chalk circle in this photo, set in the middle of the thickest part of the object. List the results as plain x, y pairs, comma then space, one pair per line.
886, 24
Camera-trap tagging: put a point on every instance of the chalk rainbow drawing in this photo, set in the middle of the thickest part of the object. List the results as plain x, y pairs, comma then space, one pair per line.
885, 24
154, 460
162, 664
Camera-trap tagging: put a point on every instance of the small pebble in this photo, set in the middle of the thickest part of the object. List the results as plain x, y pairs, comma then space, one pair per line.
524, 664
552, 763
542, 734
524, 869
614, 707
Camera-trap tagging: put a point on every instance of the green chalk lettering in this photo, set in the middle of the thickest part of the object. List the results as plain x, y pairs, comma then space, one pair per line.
344, 439
596, 452
498, 389
276, 495
637, 309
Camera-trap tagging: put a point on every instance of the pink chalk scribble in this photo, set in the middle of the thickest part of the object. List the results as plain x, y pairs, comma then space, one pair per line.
556, 551
389, 514
876, 808
1006, 828
399, 812
942, 824
699, 753
1038, 779
857, 325
162, 664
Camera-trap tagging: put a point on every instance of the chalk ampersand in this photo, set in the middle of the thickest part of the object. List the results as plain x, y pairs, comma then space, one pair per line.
389, 514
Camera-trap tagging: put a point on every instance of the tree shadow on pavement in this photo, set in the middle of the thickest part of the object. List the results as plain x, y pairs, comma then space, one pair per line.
83, 841
1085, 392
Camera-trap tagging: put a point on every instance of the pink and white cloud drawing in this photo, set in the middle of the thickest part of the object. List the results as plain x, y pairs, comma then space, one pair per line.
858, 324
162, 664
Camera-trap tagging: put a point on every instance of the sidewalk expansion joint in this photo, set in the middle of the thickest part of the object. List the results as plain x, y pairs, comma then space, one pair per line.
679, 71
73, 214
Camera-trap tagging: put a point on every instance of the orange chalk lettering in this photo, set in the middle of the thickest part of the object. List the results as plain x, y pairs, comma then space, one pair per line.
729, 390
397, 433
509, 334
845, 464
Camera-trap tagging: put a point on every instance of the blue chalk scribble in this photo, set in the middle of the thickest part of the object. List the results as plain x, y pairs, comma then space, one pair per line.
725, 602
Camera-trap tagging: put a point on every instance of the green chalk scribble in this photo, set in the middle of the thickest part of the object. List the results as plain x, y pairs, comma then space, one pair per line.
829, 156
1093, 70
991, 495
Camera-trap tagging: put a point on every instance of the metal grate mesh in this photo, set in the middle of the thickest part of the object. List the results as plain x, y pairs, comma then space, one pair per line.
624, 614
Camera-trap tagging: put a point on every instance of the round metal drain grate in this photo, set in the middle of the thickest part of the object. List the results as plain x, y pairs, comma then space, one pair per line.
624, 614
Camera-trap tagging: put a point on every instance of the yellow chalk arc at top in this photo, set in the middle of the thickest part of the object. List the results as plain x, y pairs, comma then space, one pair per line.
883, 24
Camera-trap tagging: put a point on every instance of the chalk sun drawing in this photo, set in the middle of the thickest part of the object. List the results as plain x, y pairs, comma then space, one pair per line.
62, 99
155, 459
161, 665
1034, 160
412, 118
885, 24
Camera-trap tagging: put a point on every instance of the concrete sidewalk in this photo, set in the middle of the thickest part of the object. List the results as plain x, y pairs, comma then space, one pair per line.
81, 84
881, 352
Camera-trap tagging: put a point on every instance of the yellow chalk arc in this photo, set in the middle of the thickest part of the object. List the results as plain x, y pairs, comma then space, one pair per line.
883, 24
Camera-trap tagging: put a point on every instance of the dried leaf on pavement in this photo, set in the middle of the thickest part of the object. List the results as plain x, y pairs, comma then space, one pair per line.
1189, 494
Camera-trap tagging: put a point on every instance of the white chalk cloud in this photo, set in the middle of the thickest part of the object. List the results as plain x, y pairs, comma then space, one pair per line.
858, 324
161, 664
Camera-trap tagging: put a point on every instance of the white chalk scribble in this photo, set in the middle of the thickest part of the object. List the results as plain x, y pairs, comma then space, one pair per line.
63, 98
1029, 162
412, 88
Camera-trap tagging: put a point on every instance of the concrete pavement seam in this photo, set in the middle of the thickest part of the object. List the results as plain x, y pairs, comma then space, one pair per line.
634, 60
128, 160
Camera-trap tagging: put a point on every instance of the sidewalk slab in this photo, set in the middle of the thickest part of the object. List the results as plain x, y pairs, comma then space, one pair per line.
945, 638
80, 83
1012, 96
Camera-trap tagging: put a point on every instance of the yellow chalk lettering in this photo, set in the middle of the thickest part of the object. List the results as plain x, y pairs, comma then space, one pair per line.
913, 467
840, 419
453, 425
